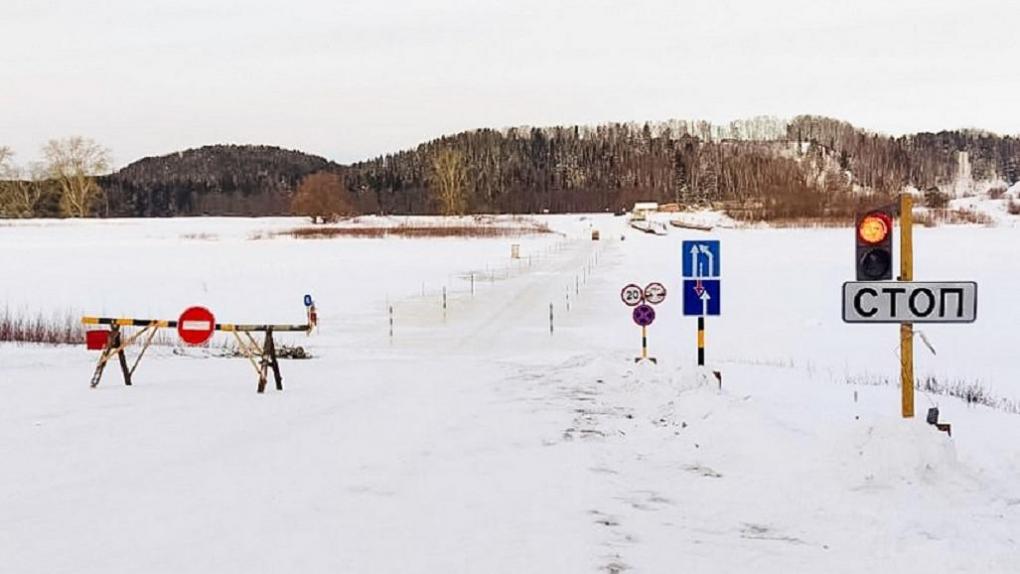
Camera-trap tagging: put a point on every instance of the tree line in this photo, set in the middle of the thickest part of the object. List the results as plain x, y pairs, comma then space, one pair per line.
765, 168
62, 184
761, 168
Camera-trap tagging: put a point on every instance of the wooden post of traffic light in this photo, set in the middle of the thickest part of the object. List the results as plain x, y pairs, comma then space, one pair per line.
907, 329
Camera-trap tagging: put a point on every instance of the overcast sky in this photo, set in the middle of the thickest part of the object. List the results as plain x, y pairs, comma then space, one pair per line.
353, 79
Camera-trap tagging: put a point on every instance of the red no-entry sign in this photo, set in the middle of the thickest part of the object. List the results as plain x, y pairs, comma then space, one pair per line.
196, 325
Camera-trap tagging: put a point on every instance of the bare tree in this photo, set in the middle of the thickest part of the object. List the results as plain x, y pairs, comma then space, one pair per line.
449, 181
19, 192
74, 164
322, 196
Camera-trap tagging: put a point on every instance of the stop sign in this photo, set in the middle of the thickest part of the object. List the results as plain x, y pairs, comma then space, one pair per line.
196, 325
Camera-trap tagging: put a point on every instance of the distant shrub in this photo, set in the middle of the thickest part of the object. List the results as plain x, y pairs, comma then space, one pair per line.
20, 327
519, 228
1013, 207
996, 192
935, 199
935, 217
323, 196
925, 219
65, 329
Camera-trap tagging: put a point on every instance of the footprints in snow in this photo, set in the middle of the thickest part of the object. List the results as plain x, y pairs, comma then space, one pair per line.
752, 531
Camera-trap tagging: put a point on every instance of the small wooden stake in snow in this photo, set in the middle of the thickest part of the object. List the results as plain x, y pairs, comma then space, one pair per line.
391, 322
550, 318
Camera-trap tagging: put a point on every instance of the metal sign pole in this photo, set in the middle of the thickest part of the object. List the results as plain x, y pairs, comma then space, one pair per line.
907, 329
701, 341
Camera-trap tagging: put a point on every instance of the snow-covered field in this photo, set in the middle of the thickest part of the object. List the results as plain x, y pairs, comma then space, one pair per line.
474, 440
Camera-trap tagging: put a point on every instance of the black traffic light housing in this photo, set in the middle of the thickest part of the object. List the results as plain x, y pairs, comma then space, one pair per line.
874, 255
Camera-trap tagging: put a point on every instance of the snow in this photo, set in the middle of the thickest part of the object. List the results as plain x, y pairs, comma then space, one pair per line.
476, 441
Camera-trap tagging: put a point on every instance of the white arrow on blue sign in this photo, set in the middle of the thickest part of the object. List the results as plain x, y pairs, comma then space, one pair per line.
702, 269
701, 259
702, 297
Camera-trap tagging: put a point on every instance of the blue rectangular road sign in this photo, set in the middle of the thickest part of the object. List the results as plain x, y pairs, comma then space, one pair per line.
701, 258
702, 297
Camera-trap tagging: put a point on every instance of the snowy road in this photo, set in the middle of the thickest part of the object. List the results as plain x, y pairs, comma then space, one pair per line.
475, 440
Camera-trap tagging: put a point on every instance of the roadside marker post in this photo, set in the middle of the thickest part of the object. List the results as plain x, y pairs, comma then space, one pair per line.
311, 314
195, 326
701, 340
702, 284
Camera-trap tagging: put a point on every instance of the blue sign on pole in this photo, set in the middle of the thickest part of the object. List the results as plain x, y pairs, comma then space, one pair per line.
702, 297
702, 271
701, 259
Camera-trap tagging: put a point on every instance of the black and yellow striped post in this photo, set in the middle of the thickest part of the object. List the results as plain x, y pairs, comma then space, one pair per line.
644, 343
701, 340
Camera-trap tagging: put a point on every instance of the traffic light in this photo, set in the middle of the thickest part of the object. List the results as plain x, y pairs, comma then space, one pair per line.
874, 246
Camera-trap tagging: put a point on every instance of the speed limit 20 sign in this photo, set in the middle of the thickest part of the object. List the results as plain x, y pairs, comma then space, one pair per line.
632, 295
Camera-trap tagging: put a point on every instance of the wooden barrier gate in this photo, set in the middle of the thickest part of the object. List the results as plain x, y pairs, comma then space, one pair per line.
263, 357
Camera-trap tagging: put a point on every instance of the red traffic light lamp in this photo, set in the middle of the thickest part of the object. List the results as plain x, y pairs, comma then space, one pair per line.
873, 232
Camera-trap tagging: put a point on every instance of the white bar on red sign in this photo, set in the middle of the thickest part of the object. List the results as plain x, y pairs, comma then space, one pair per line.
196, 326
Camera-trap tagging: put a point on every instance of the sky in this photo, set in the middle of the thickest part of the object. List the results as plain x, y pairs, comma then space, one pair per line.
350, 80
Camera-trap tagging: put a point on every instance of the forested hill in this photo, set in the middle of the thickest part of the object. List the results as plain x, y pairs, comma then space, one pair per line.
211, 180
765, 167
760, 168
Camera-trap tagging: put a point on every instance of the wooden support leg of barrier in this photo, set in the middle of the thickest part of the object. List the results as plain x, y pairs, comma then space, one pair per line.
148, 341
115, 345
274, 363
267, 361
105, 355
263, 365
123, 360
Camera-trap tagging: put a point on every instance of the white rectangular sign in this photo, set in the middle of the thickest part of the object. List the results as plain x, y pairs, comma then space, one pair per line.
910, 302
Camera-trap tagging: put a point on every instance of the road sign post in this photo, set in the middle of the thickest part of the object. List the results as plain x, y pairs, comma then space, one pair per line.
702, 285
643, 314
877, 299
907, 329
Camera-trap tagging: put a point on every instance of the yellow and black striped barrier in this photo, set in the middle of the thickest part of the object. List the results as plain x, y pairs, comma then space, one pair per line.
263, 357
226, 327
